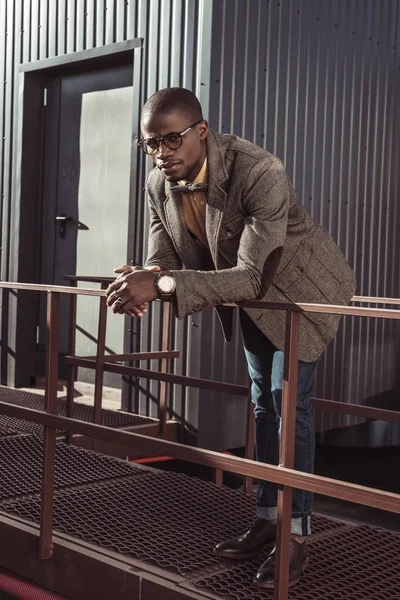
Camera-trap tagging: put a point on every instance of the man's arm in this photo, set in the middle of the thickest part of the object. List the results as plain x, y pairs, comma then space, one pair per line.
266, 199
138, 285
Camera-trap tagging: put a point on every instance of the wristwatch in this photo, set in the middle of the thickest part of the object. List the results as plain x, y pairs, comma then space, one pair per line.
165, 285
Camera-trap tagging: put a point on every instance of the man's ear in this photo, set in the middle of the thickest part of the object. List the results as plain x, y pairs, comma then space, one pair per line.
203, 130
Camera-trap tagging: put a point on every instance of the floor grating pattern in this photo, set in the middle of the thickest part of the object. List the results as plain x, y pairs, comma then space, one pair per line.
82, 412
21, 466
354, 563
172, 521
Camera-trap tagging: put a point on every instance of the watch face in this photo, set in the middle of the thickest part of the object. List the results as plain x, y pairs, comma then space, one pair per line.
166, 284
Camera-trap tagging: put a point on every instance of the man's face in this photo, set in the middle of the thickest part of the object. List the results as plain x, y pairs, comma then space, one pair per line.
186, 161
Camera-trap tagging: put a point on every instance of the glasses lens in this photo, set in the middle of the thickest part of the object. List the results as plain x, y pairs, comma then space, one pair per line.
173, 140
149, 146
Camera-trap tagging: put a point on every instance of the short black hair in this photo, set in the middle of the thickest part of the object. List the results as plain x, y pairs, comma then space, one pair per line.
173, 100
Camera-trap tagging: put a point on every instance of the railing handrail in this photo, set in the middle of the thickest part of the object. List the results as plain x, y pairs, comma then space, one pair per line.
383, 313
277, 474
43, 287
367, 299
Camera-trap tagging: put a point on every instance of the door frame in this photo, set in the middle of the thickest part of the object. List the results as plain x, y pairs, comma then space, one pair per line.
21, 319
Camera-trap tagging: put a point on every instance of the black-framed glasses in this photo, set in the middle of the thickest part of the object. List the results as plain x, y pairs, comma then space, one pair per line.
172, 140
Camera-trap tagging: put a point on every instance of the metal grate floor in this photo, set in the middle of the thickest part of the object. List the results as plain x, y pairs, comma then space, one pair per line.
354, 563
11, 426
21, 466
172, 521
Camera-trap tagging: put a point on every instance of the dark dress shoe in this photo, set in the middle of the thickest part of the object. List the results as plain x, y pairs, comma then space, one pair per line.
298, 562
249, 543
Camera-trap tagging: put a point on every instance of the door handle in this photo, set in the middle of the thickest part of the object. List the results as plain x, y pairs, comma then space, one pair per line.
63, 219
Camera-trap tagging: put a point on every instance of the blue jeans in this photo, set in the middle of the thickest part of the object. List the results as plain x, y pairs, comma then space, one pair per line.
265, 363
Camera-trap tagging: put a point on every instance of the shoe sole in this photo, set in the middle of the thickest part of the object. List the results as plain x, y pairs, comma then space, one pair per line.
270, 586
242, 556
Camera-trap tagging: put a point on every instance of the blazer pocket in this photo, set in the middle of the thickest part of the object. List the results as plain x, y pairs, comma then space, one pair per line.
231, 228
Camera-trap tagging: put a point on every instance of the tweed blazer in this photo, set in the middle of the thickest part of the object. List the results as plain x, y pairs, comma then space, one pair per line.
263, 245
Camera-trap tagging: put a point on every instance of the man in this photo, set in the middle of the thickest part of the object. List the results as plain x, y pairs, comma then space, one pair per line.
225, 226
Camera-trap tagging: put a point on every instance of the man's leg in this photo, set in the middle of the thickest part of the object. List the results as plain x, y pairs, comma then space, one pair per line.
303, 461
305, 437
260, 359
259, 354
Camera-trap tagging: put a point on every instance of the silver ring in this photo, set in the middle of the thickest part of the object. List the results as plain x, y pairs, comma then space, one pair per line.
120, 301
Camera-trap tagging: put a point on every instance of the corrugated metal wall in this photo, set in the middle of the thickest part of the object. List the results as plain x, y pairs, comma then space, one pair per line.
317, 84
176, 51
314, 82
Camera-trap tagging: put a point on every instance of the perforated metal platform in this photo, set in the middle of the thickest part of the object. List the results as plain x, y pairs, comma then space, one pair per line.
172, 522
11, 426
21, 467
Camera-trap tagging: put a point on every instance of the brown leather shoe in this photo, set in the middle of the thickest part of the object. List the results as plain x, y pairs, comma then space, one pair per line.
298, 562
249, 543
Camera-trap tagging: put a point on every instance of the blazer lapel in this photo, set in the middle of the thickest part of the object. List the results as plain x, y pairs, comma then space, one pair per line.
191, 254
216, 195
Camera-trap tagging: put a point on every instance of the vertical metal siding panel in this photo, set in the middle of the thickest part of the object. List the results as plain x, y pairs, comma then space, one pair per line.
71, 26
3, 37
188, 44
120, 20
138, 22
352, 192
203, 53
289, 105
52, 29
227, 75
43, 29
360, 83
100, 29
34, 29
154, 325
7, 136
80, 26
176, 43
380, 131
164, 48
90, 24
109, 10
250, 64
152, 49
62, 27
260, 76
26, 30
132, 7
238, 69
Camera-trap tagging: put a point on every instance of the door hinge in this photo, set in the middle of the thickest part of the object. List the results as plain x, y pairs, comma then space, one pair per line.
45, 97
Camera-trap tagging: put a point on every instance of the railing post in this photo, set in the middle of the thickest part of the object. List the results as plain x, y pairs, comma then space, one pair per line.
249, 450
100, 359
287, 445
71, 351
49, 433
166, 335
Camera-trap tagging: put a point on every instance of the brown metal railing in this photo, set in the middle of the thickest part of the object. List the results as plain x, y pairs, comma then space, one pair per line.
163, 376
283, 475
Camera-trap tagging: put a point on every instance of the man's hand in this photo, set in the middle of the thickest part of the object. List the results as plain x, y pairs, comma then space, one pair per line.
132, 290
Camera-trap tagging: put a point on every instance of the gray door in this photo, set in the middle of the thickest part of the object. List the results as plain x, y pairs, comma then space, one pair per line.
85, 225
